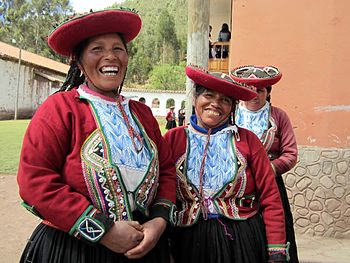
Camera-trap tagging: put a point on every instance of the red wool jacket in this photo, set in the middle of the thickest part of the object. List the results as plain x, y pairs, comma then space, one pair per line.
50, 173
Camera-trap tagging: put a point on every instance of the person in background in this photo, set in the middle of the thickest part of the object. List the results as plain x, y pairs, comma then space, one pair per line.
181, 116
211, 42
273, 127
93, 164
170, 118
224, 36
142, 100
229, 207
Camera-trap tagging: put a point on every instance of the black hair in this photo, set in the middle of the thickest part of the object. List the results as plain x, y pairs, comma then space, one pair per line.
225, 28
74, 76
268, 89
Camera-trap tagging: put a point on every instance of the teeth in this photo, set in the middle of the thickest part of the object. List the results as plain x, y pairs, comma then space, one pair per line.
110, 71
109, 74
213, 112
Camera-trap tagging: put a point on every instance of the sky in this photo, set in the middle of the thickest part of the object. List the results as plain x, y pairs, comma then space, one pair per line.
85, 5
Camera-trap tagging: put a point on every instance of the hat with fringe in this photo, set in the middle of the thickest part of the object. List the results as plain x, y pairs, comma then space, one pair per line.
257, 76
70, 33
221, 83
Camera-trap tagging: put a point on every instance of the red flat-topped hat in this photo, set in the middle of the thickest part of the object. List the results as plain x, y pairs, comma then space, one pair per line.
221, 83
257, 76
69, 34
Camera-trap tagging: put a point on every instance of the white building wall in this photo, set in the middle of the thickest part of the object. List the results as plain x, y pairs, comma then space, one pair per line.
33, 89
178, 97
8, 84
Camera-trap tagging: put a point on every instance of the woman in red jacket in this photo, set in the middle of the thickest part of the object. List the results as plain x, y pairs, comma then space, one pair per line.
94, 165
274, 129
229, 207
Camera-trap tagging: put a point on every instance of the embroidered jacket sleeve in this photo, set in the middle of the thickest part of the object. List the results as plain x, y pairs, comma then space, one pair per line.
284, 145
49, 175
166, 193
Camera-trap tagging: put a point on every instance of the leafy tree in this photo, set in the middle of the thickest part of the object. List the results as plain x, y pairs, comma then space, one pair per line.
168, 77
160, 19
26, 24
166, 38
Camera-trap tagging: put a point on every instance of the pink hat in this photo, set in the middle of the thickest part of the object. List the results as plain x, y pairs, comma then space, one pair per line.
221, 83
69, 34
257, 76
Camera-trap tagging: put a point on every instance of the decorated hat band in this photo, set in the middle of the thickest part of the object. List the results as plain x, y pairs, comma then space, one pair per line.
257, 76
221, 83
70, 33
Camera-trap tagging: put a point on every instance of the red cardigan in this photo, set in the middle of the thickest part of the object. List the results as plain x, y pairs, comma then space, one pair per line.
50, 174
284, 147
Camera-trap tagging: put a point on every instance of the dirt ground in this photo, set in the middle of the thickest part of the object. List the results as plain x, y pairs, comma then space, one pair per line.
16, 223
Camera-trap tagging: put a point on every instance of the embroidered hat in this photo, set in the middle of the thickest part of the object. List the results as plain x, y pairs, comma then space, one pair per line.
257, 76
220, 82
70, 33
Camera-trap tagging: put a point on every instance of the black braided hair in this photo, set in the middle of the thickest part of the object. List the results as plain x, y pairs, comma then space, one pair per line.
74, 78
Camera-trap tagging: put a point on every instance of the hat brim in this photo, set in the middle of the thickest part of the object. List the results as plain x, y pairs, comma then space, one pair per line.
68, 35
248, 75
221, 83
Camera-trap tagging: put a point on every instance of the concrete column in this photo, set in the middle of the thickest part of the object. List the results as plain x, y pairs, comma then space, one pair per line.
197, 42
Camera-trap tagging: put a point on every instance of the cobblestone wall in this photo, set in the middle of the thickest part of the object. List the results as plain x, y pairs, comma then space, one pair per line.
319, 192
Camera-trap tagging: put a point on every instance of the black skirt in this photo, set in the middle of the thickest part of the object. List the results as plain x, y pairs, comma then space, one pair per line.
170, 125
221, 240
50, 245
290, 235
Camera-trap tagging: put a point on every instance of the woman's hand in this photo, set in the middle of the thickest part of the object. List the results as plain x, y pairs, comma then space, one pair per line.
152, 231
123, 236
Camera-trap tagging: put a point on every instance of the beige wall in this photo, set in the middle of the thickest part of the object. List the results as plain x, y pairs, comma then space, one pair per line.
310, 42
219, 13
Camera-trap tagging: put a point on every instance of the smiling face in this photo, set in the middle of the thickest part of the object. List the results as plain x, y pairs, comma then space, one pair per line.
104, 62
259, 101
212, 108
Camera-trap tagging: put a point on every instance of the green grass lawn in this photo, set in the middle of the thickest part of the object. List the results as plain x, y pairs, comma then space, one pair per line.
161, 123
11, 137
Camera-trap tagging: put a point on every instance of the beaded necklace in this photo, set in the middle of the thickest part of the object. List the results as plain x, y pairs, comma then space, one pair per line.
131, 130
203, 203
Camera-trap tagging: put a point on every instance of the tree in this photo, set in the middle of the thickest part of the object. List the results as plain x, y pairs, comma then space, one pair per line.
160, 19
26, 24
168, 77
167, 39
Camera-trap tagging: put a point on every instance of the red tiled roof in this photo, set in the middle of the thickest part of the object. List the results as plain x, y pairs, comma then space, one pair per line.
13, 52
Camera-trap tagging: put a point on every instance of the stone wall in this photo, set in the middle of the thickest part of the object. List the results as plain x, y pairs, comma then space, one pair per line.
319, 192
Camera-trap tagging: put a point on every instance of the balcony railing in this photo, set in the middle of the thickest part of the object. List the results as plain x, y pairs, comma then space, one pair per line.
220, 56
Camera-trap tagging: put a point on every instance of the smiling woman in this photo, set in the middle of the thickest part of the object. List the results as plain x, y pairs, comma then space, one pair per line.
224, 181
94, 165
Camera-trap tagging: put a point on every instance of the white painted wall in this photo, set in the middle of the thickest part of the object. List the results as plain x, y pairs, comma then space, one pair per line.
220, 12
33, 89
178, 97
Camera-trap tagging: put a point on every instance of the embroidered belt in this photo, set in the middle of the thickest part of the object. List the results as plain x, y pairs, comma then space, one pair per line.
244, 201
